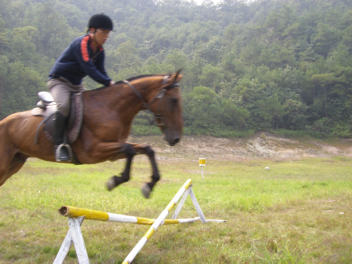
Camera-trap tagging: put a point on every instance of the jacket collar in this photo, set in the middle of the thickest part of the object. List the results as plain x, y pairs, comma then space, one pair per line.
91, 43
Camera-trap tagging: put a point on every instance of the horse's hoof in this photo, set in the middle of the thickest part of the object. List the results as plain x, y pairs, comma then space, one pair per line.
146, 191
111, 183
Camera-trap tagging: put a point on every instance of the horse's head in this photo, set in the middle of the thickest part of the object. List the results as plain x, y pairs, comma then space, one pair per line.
163, 99
167, 108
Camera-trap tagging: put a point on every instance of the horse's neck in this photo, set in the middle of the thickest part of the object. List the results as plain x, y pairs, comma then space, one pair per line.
147, 88
120, 97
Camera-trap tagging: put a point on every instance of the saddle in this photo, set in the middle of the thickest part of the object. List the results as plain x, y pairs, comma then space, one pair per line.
47, 107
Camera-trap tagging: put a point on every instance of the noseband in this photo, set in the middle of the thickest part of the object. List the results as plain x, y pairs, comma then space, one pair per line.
160, 95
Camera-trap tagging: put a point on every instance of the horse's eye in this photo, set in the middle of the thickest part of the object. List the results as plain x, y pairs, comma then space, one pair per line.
174, 101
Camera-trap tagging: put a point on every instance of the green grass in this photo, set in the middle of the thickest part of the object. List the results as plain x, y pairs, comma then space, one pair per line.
291, 213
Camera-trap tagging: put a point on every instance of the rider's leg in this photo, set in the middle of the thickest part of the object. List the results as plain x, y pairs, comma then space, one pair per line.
61, 90
61, 94
61, 152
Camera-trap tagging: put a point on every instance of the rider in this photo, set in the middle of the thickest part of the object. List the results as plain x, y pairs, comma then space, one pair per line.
84, 56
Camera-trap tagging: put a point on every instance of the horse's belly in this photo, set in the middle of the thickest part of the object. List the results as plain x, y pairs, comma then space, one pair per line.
118, 156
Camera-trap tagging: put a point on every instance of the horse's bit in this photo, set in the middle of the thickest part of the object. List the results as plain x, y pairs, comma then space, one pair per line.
157, 115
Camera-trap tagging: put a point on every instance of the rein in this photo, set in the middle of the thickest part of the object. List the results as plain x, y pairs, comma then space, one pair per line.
160, 95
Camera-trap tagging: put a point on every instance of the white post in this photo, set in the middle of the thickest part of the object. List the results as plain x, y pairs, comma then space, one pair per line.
181, 203
196, 205
74, 235
78, 241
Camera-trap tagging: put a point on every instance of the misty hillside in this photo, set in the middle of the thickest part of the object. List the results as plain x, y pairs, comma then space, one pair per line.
283, 66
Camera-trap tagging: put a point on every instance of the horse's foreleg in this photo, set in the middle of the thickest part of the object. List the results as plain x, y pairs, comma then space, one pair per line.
147, 150
127, 150
114, 181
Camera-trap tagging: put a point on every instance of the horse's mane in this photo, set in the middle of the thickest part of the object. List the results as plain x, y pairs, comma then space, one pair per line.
130, 80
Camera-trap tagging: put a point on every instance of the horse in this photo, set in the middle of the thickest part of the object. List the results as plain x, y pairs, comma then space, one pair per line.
107, 119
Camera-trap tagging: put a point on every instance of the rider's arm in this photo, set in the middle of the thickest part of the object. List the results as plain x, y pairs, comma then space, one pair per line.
100, 65
83, 57
100, 62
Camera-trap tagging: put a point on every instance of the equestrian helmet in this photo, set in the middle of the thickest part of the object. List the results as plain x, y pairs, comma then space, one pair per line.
100, 21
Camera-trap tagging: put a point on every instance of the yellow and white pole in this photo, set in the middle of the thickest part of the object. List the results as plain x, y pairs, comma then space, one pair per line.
156, 224
75, 212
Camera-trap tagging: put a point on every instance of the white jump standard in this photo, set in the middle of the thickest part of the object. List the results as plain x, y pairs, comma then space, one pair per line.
77, 215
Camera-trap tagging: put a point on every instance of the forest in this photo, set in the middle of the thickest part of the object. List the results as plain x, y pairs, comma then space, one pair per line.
283, 66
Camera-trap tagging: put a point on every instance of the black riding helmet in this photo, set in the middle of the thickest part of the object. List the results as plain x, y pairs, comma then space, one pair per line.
100, 21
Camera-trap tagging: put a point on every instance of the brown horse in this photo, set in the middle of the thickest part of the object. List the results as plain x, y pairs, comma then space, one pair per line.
107, 118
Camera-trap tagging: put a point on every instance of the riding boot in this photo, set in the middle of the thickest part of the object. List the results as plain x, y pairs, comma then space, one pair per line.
61, 150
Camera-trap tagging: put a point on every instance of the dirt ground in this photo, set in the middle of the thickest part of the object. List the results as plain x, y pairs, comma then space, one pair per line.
259, 146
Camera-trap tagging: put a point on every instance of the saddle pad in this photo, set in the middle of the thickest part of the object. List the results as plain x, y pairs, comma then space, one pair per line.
75, 118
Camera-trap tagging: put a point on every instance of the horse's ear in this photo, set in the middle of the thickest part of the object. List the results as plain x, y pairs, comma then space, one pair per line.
177, 74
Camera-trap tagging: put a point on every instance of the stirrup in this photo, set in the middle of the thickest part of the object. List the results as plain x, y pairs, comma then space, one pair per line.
63, 153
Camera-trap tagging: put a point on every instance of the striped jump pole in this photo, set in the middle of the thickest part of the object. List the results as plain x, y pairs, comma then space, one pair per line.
156, 224
74, 212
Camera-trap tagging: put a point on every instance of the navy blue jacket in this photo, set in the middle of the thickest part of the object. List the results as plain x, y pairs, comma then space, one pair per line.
78, 61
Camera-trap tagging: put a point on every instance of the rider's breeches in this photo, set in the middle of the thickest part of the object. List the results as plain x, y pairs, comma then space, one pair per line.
61, 90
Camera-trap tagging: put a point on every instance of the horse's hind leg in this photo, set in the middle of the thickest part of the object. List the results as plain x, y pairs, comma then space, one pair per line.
17, 162
6, 156
10, 168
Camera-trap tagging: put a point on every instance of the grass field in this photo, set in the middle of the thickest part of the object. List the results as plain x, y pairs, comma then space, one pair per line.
297, 212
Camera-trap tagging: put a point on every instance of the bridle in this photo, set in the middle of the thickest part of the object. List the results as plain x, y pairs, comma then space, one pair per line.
160, 95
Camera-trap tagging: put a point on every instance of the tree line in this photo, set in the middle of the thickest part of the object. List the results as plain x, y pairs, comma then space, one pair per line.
283, 66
